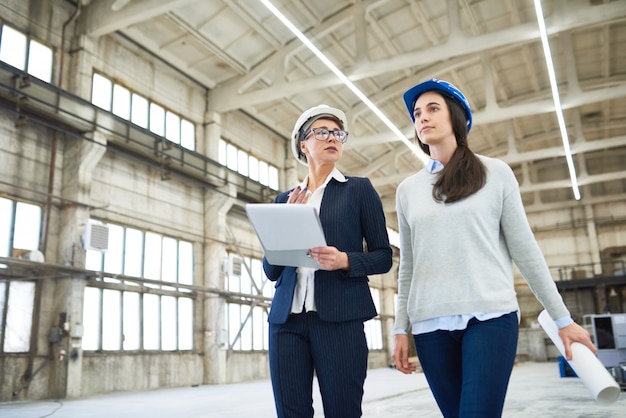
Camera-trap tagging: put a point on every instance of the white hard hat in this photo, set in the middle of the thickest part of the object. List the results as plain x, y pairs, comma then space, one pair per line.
305, 121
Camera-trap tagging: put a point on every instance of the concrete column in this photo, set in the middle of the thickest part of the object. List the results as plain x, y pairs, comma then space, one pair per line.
592, 235
212, 133
216, 209
74, 352
291, 172
79, 65
80, 157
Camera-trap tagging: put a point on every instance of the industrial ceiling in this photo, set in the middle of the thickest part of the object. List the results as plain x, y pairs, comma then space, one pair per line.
490, 49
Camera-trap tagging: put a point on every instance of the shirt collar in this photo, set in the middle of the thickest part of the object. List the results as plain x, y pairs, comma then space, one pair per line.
335, 174
434, 166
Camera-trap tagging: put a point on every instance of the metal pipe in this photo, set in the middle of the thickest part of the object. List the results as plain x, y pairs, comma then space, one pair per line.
43, 241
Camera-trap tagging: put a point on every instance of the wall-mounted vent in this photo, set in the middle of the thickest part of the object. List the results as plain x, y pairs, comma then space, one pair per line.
234, 265
96, 236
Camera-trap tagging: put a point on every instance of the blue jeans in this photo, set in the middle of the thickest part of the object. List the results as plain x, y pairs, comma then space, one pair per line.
468, 370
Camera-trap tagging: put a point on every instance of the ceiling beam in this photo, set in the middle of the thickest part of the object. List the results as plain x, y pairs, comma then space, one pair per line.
230, 96
100, 18
578, 147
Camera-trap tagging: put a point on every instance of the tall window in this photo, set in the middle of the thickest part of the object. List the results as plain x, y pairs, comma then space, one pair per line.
123, 317
247, 165
394, 237
246, 323
374, 327
17, 299
20, 224
26, 54
131, 106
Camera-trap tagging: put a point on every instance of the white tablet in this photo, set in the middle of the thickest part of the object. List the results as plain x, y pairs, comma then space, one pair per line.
287, 232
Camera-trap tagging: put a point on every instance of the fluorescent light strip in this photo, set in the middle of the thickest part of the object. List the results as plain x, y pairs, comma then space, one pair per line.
345, 80
557, 100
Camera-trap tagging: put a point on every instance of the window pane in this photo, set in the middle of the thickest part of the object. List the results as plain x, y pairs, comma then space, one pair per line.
111, 320
246, 281
242, 162
263, 173
6, 222
231, 155
234, 322
3, 289
172, 127
254, 168
13, 47
187, 135
93, 260
121, 101
132, 317
114, 257
168, 323
273, 179
185, 263
27, 225
150, 321
376, 298
221, 152
256, 267
101, 92
185, 323
257, 328
246, 331
234, 283
133, 255
91, 319
19, 317
265, 332
40, 61
152, 257
157, 119
373, 333
139, 110
169, 260
394, 237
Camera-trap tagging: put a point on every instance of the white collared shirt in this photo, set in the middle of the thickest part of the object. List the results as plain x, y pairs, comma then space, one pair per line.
304, 294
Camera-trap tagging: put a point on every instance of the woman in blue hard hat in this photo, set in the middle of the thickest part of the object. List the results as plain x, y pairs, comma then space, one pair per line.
462, 223
316, 318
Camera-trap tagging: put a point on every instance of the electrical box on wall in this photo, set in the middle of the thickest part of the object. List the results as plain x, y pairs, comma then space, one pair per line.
76, 331
96, 236
233, 266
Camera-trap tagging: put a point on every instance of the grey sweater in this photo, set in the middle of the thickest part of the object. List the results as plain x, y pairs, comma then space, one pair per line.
457, 258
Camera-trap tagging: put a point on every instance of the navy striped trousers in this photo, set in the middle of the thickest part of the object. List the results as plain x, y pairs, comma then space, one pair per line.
336, 352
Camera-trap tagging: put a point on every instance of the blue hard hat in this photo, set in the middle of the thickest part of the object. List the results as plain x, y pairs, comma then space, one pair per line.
411, 95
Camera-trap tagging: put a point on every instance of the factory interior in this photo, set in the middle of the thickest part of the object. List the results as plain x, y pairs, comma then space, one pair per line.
135, 132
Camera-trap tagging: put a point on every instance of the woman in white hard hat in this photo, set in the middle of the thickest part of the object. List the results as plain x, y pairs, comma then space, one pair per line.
316, 318
462, 223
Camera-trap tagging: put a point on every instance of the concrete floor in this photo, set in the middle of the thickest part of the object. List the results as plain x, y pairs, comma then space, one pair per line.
535, 390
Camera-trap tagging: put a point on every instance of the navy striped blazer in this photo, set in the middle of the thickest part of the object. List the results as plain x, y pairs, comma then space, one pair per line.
352, 218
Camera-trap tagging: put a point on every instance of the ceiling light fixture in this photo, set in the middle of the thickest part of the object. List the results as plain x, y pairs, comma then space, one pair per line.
344, 79
557, 101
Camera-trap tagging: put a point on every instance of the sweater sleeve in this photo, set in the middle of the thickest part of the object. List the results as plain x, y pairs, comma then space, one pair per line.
524, 249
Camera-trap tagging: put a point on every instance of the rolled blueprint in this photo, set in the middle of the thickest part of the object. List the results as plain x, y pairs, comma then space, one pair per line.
587, 366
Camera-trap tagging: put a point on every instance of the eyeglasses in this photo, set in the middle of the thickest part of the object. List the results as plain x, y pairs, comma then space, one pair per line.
322, 134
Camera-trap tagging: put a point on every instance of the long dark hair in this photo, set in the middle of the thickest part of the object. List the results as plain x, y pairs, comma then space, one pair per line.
464, 174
